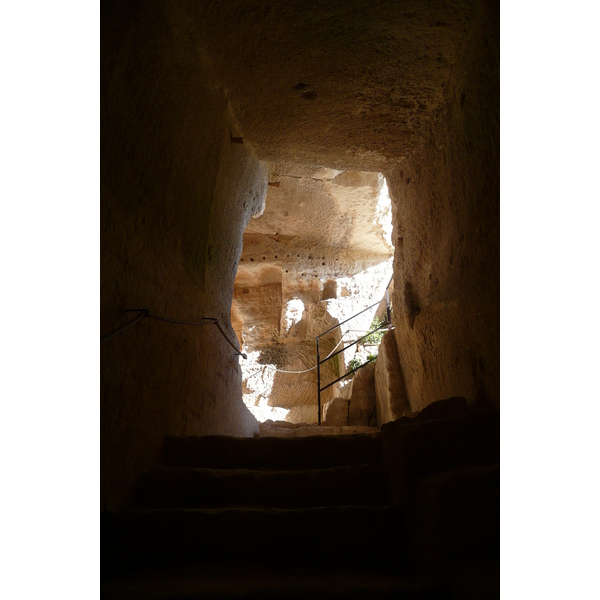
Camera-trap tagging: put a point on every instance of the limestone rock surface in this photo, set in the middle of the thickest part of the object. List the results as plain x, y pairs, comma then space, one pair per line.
338, 84
317, 99
318, 254
285, 429
446, 203
335, 412
362, 398
390, 392
303, 414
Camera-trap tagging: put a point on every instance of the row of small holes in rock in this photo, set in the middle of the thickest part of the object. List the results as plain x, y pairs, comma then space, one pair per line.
298, 256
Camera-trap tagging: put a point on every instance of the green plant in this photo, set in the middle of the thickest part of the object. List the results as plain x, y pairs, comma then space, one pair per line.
354, 364
375, 337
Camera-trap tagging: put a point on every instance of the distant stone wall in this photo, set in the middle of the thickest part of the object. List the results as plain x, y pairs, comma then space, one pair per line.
317, 255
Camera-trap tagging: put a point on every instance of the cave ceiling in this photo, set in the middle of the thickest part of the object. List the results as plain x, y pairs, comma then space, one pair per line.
347, 85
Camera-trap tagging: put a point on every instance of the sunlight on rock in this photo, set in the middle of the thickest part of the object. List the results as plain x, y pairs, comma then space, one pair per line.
293, 313
364, 288
319, 253
383, 214
257, 385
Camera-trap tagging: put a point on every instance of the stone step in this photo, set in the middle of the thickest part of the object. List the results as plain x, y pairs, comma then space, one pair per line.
416, 450
370, 537
186, 487
455, 519
283, 429
258, 581
315, 452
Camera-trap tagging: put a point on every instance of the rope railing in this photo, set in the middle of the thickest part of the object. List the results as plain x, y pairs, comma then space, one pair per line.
296, 372
334, 352
145, 313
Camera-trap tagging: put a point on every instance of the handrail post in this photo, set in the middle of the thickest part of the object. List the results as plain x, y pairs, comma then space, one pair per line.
319, 381
388, 312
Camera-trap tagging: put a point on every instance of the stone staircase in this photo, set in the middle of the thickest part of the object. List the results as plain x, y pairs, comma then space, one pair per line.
332, 516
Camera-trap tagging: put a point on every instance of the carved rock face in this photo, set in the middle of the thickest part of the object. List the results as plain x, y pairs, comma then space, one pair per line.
318, 254
323, 96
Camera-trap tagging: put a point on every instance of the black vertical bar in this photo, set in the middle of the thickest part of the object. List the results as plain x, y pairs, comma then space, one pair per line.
387, 305
319, 380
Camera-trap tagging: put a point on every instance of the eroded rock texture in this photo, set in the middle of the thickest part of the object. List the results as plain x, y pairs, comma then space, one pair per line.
362, 397
343, 85
336, 412
446, 233
405, 88
412, 91
176, 196
390, 391
319, 253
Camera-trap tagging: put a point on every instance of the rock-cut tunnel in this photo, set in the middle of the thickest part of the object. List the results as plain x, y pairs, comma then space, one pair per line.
203, 104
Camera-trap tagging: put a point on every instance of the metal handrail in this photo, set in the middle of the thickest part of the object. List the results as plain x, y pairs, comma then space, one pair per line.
145, 313
346, 374
348, 319
386, 324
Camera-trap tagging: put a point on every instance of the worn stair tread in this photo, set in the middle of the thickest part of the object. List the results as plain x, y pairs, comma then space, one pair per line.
284, 429
335, 534
422, 449
255, 580
189, 487
271, 452
455, 516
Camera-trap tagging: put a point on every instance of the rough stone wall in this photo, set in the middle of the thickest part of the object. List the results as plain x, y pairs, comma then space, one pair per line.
411, 90
321, 228
406, 88
347, 85
362, 397
446, 231
258, 302
176, 195
318, 225
390, 393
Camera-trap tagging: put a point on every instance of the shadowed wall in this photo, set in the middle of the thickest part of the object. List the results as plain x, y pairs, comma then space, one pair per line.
447, 234
407, 88
176, 196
